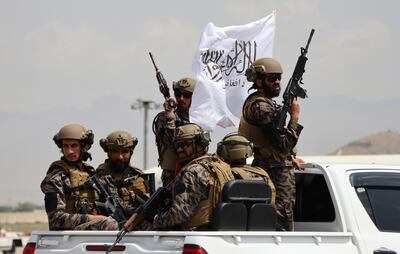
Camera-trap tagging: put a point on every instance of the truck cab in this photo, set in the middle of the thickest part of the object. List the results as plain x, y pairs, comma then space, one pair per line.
362, 199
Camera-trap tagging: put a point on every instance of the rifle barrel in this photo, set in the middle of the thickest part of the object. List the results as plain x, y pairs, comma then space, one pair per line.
120, 235
154, 63
309, 39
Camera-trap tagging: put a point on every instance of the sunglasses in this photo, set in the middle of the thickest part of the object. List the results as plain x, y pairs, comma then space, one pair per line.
179, 93
273, 77
183, 144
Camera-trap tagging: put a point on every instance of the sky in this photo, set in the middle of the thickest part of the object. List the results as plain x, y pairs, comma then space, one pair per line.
87, 61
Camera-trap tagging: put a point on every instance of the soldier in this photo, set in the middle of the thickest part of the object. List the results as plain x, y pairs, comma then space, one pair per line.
164, 125
69, 202
273, 148
234, 149
197, 187
123, 180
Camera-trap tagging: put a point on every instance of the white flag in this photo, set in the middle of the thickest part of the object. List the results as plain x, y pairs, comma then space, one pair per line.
220, 63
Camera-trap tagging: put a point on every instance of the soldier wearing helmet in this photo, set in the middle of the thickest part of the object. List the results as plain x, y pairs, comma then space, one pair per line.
124, 180
165, 123
273, 148
197, 187
234, 149
69, 201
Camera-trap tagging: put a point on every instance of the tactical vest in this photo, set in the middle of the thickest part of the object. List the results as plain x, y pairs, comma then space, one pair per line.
220, 173
264, 149
128, 185
247, 172
79, 198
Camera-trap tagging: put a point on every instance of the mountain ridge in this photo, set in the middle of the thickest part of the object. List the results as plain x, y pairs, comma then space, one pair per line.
386, 142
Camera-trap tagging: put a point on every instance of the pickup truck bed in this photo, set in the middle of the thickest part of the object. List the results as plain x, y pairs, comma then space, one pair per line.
341, 208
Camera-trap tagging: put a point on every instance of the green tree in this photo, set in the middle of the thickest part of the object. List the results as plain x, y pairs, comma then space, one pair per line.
5, 208
26, 207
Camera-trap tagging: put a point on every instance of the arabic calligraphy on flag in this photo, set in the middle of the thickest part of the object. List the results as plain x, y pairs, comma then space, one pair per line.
220, 63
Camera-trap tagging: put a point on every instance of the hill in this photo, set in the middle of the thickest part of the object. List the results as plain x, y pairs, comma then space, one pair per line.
387, 142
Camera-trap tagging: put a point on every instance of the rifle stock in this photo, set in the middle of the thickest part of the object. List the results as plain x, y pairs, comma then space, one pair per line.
147, 211
293, 89
111, 204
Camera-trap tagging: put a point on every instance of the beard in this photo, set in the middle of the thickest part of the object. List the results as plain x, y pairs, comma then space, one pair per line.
271, 91
183, 156
119, 165
183, 108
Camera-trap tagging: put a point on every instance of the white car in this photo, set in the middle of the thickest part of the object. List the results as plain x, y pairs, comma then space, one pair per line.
9, 241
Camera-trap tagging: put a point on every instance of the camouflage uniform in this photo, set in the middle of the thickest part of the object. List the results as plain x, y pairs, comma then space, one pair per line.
68, 203
164, 126
127, 185
273, 150
197, 190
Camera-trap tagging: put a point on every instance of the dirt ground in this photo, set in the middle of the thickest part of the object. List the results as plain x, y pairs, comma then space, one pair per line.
37, 216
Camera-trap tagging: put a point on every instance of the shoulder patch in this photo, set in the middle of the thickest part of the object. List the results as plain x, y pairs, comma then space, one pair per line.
50, 201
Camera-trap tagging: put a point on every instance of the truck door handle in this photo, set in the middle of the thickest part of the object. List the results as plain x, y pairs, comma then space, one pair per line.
384, 250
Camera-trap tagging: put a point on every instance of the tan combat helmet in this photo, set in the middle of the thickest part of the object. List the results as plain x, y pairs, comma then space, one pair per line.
192, 134
185, 84
118, 139
74, 131
261, 67
235, 147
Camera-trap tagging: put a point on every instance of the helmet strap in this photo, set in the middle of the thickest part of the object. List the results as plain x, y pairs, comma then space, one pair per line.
85, 156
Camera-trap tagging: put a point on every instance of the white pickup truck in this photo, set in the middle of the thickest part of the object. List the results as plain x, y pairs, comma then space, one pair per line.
340, 208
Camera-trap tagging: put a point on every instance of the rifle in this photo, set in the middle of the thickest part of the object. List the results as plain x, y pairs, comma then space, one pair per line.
147, 211
293, 89
111, 204
162, 83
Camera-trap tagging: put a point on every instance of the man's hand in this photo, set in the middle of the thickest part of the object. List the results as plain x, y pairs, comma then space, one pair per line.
170, 105
92, 217
297, 163
294, 111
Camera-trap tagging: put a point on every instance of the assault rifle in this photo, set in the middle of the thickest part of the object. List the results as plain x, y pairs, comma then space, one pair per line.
164, 89
147, 211
110, 204
293, 89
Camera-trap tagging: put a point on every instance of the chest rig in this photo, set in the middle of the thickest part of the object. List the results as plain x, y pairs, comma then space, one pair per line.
129, 185
219, 174
79, 197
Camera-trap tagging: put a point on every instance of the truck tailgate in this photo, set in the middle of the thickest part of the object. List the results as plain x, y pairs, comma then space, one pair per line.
75, 242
